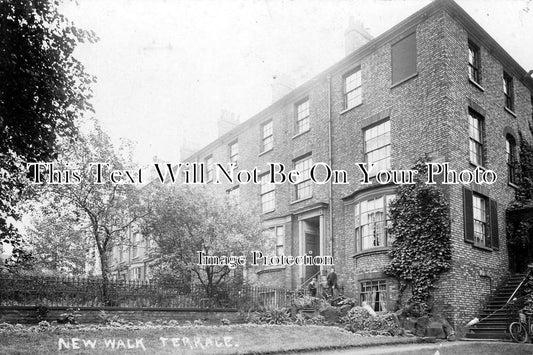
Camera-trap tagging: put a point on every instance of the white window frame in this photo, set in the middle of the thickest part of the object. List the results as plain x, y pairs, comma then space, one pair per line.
268, 194
370, 234
377, 146
353, 91
267, 136
476, 137
303, 189
302, 116
234, 152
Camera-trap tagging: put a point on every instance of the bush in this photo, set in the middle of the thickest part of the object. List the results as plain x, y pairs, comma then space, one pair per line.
359, 320
107, 318
306, 302
355, 319
271, 315
69, 317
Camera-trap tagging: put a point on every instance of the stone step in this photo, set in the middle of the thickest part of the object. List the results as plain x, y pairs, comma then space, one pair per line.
488, 335
493, 320
491, 325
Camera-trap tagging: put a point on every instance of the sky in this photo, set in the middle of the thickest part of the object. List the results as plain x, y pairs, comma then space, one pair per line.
167, 68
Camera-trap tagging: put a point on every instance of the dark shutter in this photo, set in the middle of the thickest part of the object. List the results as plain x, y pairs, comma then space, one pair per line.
494, 224
468, 213
403, 55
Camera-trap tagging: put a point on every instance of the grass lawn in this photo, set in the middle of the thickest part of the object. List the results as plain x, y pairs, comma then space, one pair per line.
234, 339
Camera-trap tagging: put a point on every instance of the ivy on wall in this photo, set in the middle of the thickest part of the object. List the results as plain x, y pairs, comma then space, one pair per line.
421, 250
520, 213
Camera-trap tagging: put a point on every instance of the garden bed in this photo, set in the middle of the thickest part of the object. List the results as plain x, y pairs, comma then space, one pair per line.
183, 339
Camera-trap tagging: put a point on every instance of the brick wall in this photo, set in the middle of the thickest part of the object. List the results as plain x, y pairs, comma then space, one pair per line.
428, 116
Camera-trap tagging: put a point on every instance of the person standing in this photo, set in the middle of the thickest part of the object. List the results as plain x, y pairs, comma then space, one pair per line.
332, 282
312, 287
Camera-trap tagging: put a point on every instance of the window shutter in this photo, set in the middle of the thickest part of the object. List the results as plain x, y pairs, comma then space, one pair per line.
403, 55
468, 213
494, 224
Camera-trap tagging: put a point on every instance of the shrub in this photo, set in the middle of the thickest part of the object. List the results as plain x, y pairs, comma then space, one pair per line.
41, 312
307, 302
44, 325
359, 320
271, 315
355, 319
107, 318
70, 316
318, 320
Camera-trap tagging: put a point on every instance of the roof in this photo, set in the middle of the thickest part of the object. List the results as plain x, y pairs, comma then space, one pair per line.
473, 28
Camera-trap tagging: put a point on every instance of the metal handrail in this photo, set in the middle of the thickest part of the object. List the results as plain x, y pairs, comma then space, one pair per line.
303, 285
530, 267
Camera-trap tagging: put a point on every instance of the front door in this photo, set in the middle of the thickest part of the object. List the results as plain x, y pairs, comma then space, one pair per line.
311, 244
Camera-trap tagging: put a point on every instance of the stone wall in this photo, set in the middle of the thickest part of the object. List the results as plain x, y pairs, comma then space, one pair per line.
26, 314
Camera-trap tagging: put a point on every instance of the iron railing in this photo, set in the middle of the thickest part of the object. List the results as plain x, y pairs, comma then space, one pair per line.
93, 292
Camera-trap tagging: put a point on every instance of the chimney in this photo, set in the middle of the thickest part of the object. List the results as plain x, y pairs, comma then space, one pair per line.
281, 86
226, 122
355, 36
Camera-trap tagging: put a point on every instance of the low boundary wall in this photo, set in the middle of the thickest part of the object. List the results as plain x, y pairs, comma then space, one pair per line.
28, 314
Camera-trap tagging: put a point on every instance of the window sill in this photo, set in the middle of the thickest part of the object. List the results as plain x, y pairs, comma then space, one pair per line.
269, 211
301, 200
473, 82
477, 165
371, 251
300, 134
509, 111
404, 80
513, 185
272, 268
481, 247
266, 151
350, 108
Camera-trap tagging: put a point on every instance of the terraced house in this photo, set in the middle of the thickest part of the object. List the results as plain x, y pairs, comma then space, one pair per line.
435, 85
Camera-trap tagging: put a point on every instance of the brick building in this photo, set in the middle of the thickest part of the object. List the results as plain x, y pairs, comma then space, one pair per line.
435, 85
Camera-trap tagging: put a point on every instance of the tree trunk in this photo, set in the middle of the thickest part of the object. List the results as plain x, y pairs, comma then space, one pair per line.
104, 265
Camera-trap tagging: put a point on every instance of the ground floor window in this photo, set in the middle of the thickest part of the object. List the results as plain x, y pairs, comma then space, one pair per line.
374, 293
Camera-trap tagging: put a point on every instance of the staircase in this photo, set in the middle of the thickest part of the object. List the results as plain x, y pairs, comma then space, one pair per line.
495, 326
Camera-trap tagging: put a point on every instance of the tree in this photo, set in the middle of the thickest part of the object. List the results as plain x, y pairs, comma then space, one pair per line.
421, 250
185, 220
43, 91
105, 209
58, 239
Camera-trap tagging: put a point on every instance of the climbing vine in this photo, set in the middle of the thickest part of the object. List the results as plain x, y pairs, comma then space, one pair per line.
519, 216
421, 250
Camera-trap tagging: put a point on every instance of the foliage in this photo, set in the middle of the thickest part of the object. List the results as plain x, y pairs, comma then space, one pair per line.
41, 311
524, 193
306, 302
358, 319
421, 250
69, 317
520, 224
107, 318
184, 220
104, 211
59, 244
44, 91
271, 315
